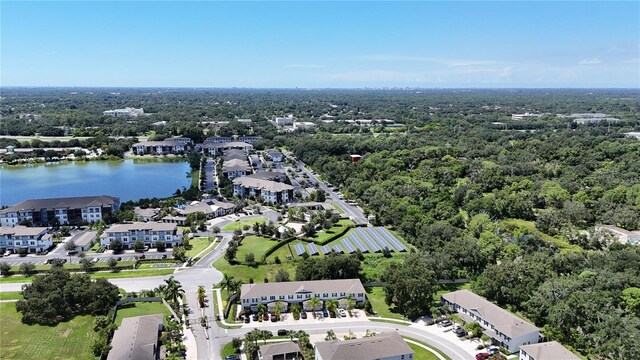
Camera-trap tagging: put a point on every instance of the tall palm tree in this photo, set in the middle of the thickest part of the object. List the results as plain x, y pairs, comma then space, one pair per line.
314, 302
278, 308
201, 295
261, 309
296, 308
332, 305
174, 290
350, 303
226, 283
235, 286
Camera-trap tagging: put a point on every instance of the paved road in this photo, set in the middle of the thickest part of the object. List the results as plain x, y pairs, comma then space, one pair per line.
209, 169
353, 212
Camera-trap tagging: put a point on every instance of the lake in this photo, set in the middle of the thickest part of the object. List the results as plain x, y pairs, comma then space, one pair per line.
128, 179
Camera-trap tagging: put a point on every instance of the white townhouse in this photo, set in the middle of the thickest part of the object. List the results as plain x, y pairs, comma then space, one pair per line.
214, 149
504, 328
623, 236
300, 292
234, 168
34, 239
165, 147
210, 208
271, 191
551, 350
71, 210
383, 346
148, 232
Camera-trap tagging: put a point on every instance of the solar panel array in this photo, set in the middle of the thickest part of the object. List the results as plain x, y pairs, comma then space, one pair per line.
347, 244
392, 239
313, 250
325, 249
338, 248
372, 244
299, 249
358, 243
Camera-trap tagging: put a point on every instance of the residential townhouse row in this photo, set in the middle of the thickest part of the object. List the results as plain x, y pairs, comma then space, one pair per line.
147, 232
301, 292
31, 239
60, 211
176, 145
271, 189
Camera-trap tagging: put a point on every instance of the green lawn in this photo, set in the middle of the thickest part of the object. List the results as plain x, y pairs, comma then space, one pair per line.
376, 298
197, 245
228, 350
257, 245
11, 295
245, 272
420, 353
195, 178
240, 224
140, 309
337, 228
70, 340
97, 275
338, 208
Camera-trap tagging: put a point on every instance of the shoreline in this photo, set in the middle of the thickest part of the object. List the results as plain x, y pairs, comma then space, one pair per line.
135, 158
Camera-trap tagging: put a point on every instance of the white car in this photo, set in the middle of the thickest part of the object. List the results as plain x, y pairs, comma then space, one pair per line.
342, 312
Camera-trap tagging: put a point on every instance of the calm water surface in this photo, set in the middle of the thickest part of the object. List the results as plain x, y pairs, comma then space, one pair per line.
128, 179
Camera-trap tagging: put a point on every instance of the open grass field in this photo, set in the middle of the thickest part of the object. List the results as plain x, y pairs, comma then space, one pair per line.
240, 224
337, 228
97, 275
245, 272
257, 245
71, 340
197, 245
140, 309
11, 295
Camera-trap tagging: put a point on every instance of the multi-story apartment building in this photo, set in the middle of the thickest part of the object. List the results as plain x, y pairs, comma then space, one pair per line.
551, 350
214, 149
160, 147
383, 346
225, 139
62, 211
300, 292
148, 232
623, 236
504, 328
271, 191
33, 239
234, 168
126, 112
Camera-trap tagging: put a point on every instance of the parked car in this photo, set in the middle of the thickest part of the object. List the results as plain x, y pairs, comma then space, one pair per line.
119, 258
232, 357
274, 318
342, 312
325, 313
282, 332
141, 257
493, 350
164, 256
95, 260
247, 319
265, 317
303, 315
446, 323
460, 332
482, 356
255, 317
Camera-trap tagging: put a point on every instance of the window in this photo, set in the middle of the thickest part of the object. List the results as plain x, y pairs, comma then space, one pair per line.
272, 298
299, 296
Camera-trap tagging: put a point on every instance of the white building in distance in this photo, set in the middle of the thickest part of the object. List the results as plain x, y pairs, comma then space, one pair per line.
126, 112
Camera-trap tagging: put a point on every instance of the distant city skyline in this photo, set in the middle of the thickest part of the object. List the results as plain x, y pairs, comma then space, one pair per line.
321, 44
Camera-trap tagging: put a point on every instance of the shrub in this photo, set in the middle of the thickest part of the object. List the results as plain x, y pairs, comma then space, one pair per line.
5, 269
27, 268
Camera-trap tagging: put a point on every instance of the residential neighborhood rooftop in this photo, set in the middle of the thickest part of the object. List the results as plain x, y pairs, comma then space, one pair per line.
258, 290
271, 351
383, 345
83, 238
136, 338
20, 230
59, 203
151, 226
551, 350
261, 184
504, 321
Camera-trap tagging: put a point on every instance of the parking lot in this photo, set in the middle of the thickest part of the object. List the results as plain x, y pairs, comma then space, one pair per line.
15, 260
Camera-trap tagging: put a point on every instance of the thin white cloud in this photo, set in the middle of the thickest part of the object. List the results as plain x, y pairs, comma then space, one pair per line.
437, 60
592, 61
304, 66
633, 61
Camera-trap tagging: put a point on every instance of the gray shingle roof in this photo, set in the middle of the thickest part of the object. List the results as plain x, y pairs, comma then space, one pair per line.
83, 238
551, 350
268, 185
269, 351
59, 203
136, 338
353, 286
504, 321
382, 345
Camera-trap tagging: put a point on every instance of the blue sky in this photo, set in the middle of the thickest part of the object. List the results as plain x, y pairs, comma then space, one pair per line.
320, 44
